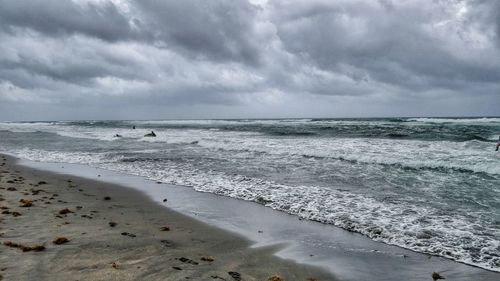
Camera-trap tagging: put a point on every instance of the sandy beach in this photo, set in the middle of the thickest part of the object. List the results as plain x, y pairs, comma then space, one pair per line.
59, 227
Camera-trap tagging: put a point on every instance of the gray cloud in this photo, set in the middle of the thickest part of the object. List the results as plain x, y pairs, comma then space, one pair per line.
60, 18
26, 57
410, 46
346, 57
221, 30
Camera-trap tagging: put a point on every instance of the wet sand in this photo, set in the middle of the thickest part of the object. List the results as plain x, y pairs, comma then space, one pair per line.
116, 233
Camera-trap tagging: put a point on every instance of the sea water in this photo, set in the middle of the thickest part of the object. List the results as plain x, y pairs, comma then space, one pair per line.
431, 185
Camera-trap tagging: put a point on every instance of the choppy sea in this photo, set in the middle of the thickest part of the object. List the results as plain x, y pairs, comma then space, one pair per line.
431, 185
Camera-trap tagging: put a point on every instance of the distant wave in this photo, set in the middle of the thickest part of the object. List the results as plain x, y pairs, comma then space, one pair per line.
290, 133
429, 129
397, 135
479, 138
414, 167
457, 120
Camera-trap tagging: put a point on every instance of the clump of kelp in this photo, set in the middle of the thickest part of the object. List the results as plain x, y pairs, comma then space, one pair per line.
25, 248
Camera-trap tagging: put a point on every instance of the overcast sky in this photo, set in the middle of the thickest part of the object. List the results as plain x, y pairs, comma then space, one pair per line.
154, 59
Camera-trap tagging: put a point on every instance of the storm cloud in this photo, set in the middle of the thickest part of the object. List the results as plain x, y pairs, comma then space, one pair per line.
99, 59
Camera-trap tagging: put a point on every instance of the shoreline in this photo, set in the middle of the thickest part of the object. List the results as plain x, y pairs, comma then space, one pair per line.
117, 233
349, 256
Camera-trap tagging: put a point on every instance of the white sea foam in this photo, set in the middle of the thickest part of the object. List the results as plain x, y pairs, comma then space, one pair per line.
472, 155
63, 157
415, 227
23, 127
408, 153
409, 226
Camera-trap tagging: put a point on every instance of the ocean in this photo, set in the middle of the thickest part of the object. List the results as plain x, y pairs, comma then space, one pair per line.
431, 185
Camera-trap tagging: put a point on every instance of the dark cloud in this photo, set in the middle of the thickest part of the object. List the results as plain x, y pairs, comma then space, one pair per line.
485, 11
220, 30
294, 58
217, 30
26, 58
60, 18
412, 46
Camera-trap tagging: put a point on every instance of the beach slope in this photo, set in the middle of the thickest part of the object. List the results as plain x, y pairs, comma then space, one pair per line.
61, 227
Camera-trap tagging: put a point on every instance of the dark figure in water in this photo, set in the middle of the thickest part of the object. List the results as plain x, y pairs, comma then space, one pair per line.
133, 127
152, 134
118, 136
498, 144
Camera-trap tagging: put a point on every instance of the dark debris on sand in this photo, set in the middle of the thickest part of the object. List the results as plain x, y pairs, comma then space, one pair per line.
186, 260
208, 259
16, 214
24, 248
236, 275
65, 211
436, 276
165, 228
167, 243
275, 278
60, 240
115, 265
25, 203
